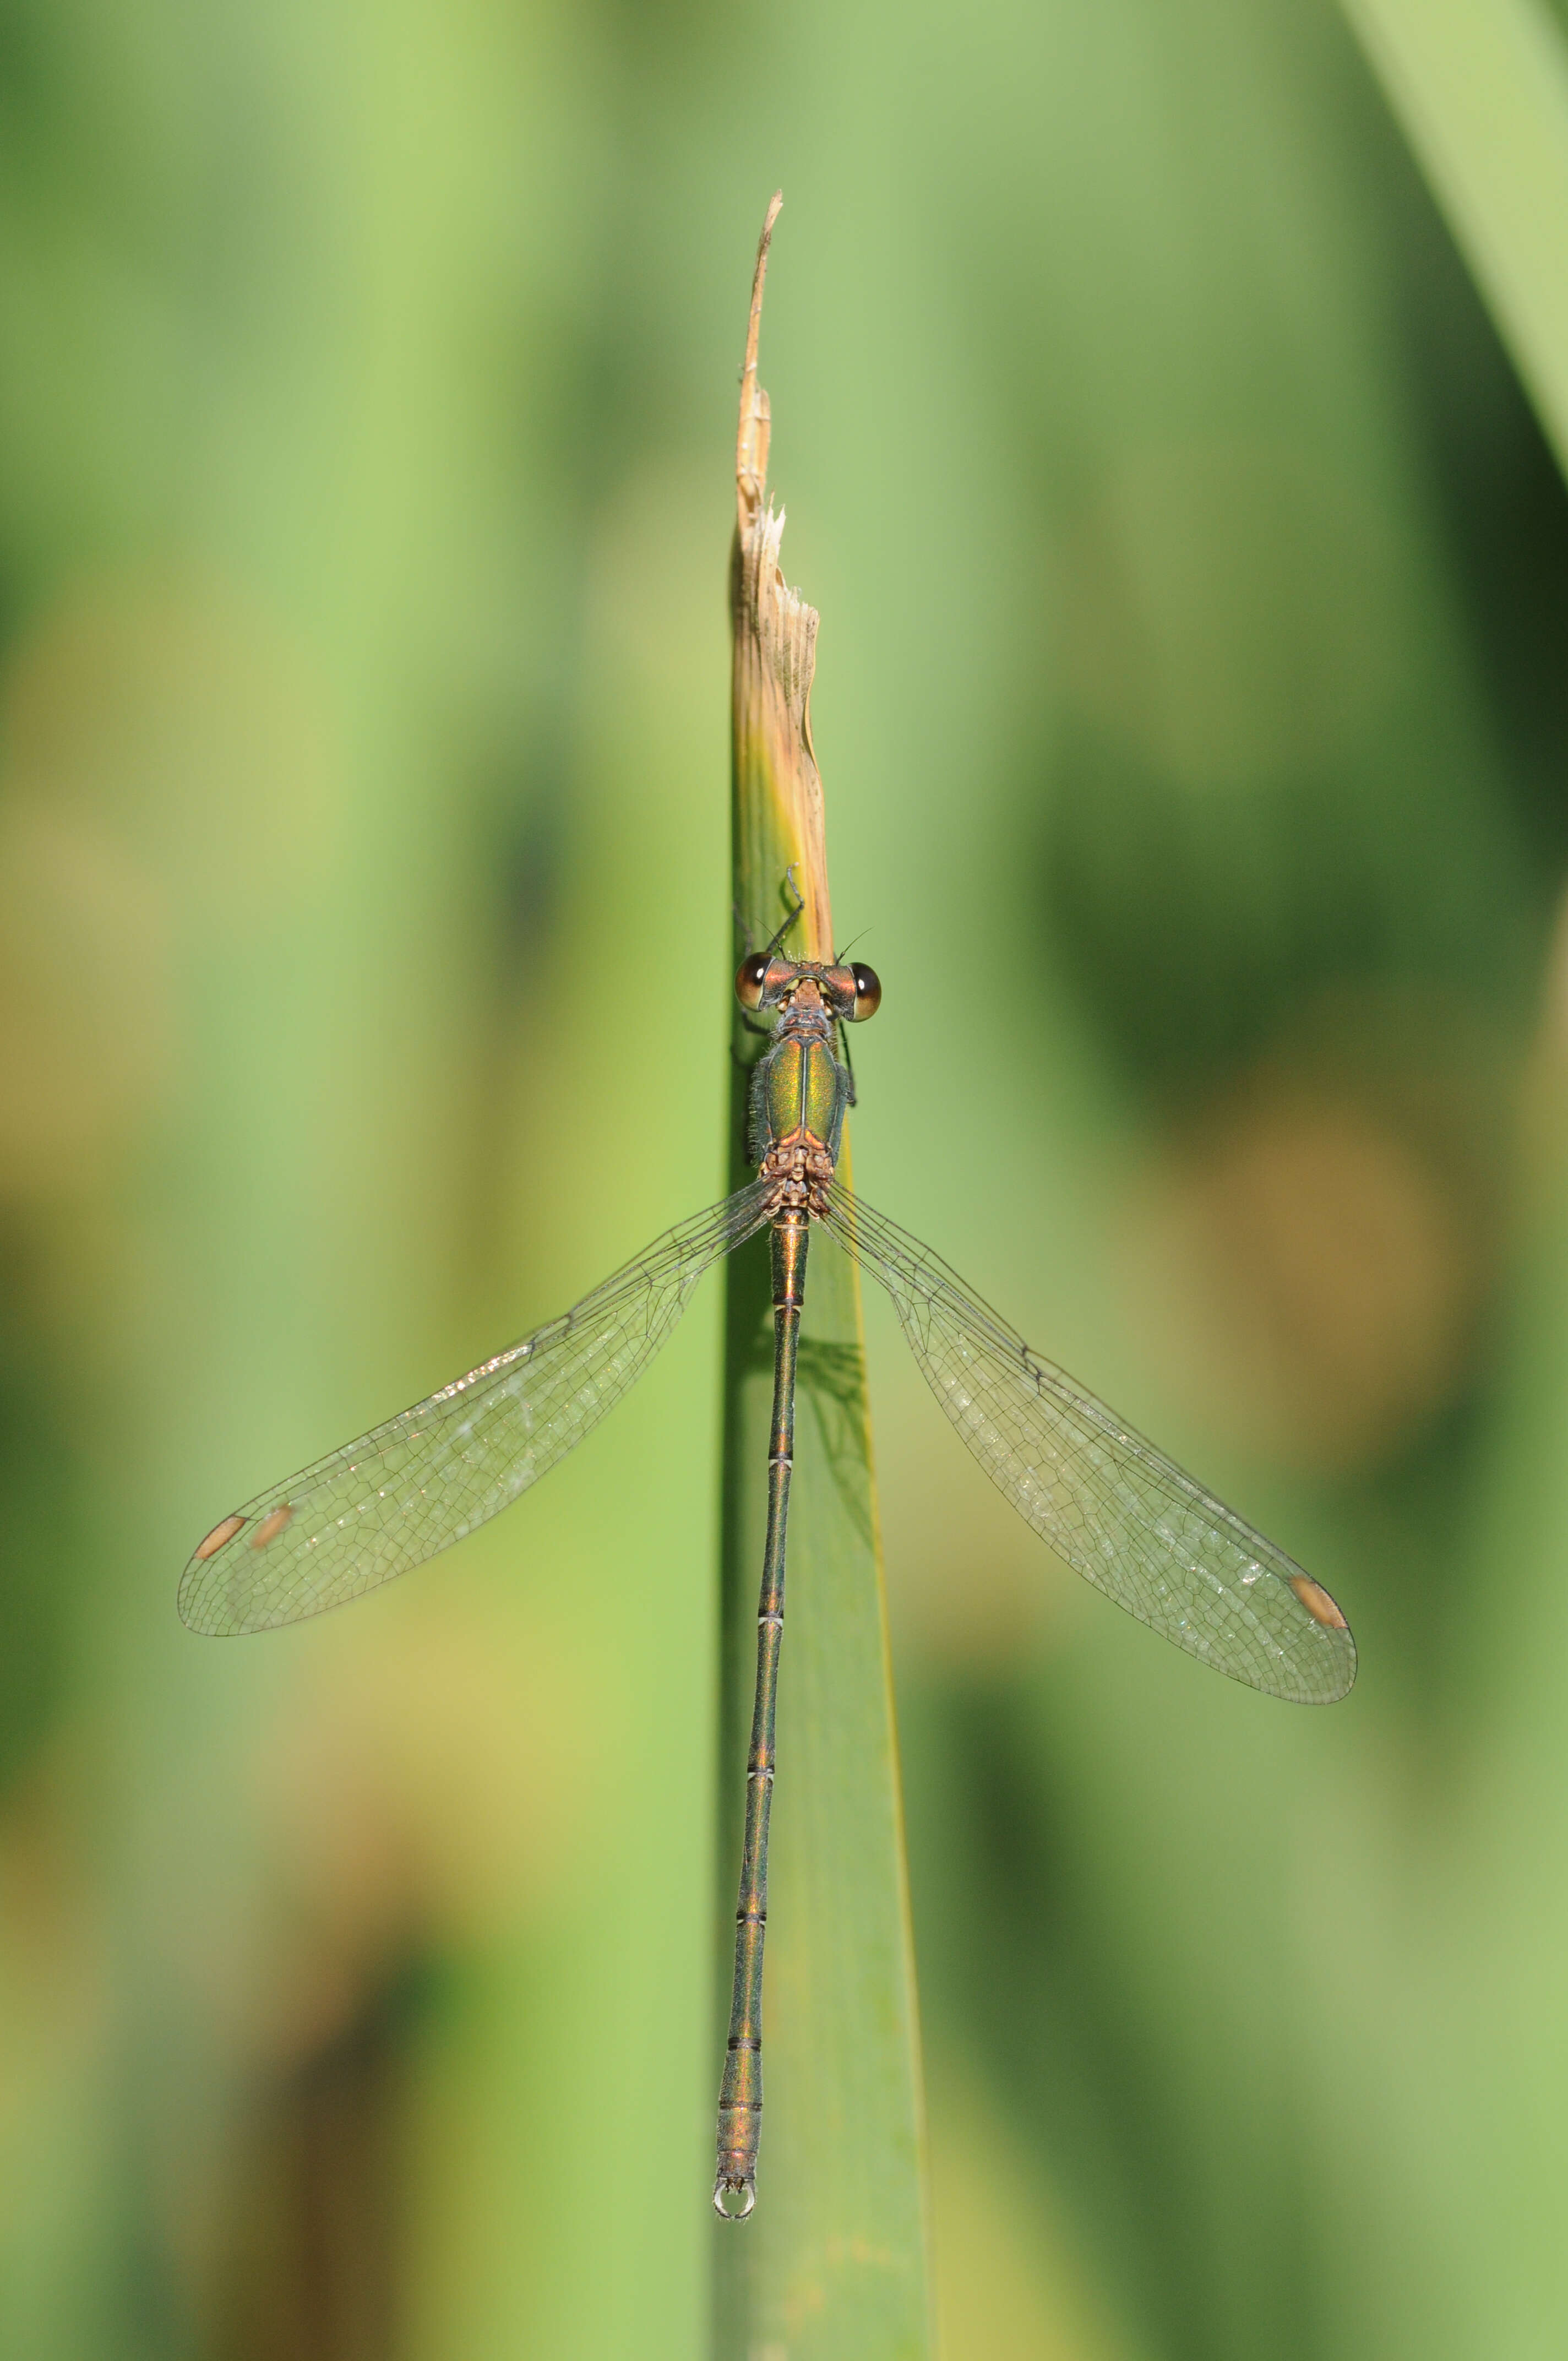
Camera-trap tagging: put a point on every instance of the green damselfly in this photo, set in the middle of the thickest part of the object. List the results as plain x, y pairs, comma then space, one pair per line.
1106, 1500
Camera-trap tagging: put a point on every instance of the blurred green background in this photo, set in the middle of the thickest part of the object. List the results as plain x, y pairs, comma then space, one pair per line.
1195, 713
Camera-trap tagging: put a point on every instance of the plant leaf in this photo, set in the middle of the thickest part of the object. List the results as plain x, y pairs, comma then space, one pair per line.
832, 2264
1480, 88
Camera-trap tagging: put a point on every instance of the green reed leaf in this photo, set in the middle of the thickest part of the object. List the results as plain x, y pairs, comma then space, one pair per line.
1480, 88
832, 2265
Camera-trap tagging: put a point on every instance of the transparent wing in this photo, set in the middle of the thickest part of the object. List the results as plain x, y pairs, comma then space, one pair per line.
422, 1480
1119, 1511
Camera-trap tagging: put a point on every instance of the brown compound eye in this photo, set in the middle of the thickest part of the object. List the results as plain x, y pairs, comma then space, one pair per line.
867, 990
749, 978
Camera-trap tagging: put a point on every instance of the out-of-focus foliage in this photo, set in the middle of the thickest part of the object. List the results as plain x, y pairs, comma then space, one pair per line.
1480, 88
365, 449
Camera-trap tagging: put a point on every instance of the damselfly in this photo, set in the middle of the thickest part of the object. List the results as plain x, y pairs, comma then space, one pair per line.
1106, 1500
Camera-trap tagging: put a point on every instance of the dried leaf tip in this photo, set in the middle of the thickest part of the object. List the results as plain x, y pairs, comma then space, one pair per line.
751, 441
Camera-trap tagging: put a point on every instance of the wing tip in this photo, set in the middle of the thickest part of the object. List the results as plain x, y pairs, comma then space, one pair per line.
192, 1602
1339, 1666
198, 1601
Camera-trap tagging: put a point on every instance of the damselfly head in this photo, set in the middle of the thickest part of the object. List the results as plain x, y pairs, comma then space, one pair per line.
849, 990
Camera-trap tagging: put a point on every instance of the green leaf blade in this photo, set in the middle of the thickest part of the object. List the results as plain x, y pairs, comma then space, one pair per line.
1480, 88
832, 2264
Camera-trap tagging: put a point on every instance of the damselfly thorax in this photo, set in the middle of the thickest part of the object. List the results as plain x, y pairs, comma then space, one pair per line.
801, 1089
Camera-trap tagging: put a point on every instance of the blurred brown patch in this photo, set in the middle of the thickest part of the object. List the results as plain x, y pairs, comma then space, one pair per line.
1311, 1256
163, 759
53, 1964
86, 1019
188, 727
163, 756
426, 1787
313, 2273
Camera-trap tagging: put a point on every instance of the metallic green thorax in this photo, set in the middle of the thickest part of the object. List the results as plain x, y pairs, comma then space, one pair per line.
800, 1089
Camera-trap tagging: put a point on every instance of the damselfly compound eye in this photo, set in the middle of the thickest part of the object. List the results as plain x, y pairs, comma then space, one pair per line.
749, 977
867, 990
